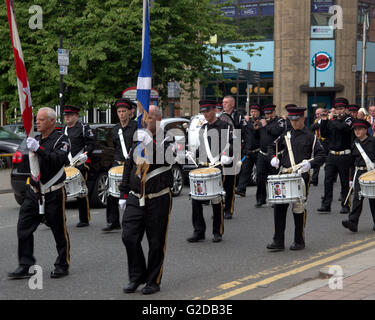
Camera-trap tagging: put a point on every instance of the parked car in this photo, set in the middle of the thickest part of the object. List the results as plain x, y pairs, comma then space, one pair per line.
9, 143
99, 163
19, 129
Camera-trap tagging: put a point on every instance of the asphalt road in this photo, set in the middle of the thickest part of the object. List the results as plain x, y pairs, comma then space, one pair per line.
240, 267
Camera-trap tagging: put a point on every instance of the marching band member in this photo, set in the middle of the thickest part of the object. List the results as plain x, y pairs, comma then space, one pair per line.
122, 137
353, 110
363, 151
52, 149
371, 119
147, 200
270, 129
82, 141
251, 148
305, 151
339, 134
215, 157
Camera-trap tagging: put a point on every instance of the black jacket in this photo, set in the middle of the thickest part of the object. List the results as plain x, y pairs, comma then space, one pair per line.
368, 146
303, 148
132, 182
251, 138
338, 133
127, 133
52, 155
81, 137
271, 132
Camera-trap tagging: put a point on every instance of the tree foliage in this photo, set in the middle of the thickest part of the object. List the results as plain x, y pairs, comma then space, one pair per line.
104, 39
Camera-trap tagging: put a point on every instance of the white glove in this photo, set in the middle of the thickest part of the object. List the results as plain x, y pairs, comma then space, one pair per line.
144, 137
190, 155
122, 204
32, 144
82, 159
275, 162
225, 160
305, 166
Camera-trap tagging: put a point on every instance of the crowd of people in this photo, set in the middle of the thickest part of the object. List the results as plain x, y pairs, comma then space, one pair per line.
341, 138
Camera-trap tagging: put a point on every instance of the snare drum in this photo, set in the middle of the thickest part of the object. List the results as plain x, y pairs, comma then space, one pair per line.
114, 180
206, 184
367, 183
286, 188
75, 185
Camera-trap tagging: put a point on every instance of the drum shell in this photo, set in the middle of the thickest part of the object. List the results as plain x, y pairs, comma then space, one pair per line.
367, 188
206, 186
285, 188
114, 181
75, 185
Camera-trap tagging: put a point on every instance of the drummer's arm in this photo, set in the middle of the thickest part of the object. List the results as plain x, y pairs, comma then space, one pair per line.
59, 156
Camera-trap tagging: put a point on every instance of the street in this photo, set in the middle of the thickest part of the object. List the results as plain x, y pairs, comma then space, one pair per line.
240, 267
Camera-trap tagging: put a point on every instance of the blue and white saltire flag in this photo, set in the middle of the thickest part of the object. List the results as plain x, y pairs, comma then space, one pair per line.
144, 82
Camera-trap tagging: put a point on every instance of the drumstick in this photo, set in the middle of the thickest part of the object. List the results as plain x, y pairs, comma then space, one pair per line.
191, 158
351, 188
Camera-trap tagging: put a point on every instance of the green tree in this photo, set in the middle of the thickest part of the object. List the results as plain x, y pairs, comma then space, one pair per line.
104, 39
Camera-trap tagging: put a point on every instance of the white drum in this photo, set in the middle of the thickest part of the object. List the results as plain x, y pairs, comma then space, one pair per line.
75, 185
367, 184
114, 180
206, 184
286, 188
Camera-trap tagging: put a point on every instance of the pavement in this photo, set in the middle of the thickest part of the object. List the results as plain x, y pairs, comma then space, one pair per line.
352, 278
5, 186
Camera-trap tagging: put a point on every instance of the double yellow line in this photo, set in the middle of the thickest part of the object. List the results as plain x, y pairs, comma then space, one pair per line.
232, 293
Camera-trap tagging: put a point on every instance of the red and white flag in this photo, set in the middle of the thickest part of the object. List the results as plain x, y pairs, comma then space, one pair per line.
22, 80
24, 93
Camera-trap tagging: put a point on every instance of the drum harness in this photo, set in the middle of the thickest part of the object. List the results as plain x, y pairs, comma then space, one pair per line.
214, 161
73, 160
369, 166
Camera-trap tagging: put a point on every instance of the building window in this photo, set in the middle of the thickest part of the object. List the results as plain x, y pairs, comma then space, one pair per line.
320, 16
252, 17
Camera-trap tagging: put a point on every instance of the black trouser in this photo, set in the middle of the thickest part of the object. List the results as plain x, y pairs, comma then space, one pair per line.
336, 164
29, 219
83, 203
357, 205
113, 213
264, 169
153, 219
315, 175
199, 223
229, 185
280, 211
246, 171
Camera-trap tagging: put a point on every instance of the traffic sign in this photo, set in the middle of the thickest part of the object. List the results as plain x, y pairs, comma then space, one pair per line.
63, 57
64, 70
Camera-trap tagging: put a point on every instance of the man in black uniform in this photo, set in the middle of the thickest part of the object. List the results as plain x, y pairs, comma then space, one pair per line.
362, 163
52, 149
304, 146
229, 184
82, 141
213, 128
339, 134
353, 110
147, 200
270, 129
122, 137
251, 149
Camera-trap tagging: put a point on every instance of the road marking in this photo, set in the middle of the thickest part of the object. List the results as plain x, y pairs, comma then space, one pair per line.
274, 278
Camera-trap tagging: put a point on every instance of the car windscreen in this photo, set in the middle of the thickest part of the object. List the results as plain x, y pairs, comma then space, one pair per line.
7, 135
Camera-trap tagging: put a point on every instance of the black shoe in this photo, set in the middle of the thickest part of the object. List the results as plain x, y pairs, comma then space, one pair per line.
132, 286
111, 227
82, 224
345, 210
259, 204
196, 238
324, 209
217, 238
241, 193
227, 216
275, 247
315, 184
22, 272
297, 246
150, 288
350, 225
59, 273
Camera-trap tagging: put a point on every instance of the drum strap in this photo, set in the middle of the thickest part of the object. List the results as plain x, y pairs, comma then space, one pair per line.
369, 164
157, 171
290, 151
75, 158
208, 151
123, 147
53, 180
